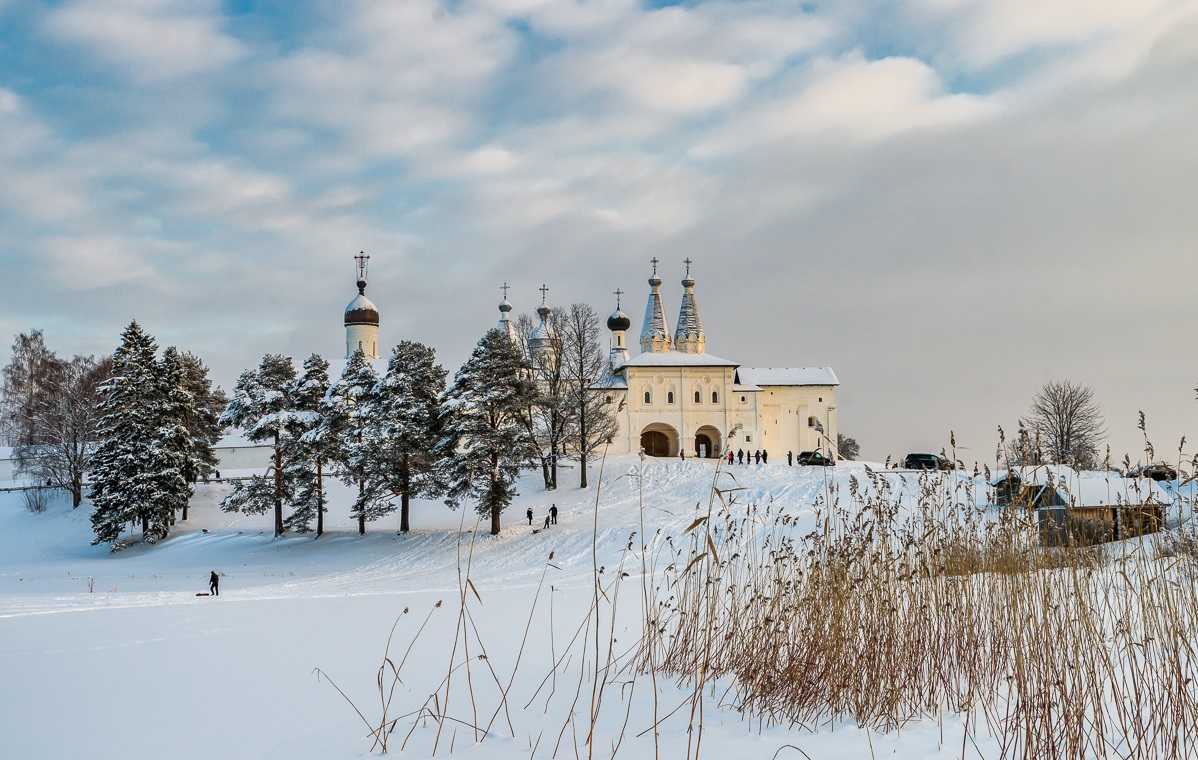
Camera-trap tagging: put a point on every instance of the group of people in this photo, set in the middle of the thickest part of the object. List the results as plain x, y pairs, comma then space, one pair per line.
759, 457
550, 518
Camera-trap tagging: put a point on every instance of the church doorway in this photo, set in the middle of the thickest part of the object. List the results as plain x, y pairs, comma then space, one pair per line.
707, 442
659, 440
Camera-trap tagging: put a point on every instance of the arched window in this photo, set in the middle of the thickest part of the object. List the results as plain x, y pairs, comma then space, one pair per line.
359, 345
607, 399
715, 397
648, 397
698, 397
670, 397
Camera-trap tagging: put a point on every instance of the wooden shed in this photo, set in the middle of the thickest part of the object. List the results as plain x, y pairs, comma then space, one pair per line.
1083, 508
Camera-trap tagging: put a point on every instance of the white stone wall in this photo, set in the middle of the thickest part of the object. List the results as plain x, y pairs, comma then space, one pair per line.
364, 336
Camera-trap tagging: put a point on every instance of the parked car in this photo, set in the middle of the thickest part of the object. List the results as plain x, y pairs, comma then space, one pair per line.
815, 458
1158, 472
928, 462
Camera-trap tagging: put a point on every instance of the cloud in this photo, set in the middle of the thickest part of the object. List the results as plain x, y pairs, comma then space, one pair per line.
147, 40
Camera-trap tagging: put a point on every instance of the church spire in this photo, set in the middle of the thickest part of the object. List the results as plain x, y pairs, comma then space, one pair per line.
655, 332
542, 341
505, 324
688, 338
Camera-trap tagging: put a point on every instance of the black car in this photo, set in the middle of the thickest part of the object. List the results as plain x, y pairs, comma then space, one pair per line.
1159, 472
815, 458
927, 462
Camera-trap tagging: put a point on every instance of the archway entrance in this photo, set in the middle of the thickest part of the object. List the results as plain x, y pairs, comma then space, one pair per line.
707, 442
659, 440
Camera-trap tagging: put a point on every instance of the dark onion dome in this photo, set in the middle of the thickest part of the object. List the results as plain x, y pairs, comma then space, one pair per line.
618, 321
361, 311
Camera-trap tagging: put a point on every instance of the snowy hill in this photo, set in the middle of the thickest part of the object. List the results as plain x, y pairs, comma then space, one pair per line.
138, 665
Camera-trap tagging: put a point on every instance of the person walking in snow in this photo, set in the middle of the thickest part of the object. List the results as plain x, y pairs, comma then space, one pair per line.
740, 456
214, 584
547, 518
757, 456
765, 457
790, 459
553, 513
729, 456
530, 515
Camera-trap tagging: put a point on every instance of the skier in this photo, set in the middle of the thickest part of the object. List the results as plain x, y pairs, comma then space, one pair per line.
214, 584
530, 515
553, 513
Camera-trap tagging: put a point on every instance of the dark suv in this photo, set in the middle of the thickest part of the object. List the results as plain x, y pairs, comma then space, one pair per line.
927, 462
816, 458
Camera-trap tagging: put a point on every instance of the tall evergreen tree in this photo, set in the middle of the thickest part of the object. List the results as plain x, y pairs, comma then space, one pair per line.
260, 406
403, 407
347, 424
484, 442
308, 447
203, 417
136, 477
175, 405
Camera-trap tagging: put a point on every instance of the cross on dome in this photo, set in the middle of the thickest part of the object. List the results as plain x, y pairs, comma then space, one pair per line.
617, 293
544, 289
362, 260
688, 263
653, 261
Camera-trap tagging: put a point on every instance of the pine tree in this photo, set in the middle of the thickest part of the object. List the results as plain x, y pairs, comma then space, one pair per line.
174, 407
403, 408
484, 443
135, 475
308, 447
203, 417
260, 406
349, 428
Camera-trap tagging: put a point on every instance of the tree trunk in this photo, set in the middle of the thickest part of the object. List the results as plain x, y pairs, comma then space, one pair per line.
582, 463
545, 472
362, 514
278, 487
403, 497
76, 491
494, 508
582, 449
553, 465
319, 501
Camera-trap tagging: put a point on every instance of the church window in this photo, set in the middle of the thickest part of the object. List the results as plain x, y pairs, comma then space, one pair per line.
698, 397
715, 397
670, 397
742, 399
607, 399
359, 345
648, 397
811, 422
748, 439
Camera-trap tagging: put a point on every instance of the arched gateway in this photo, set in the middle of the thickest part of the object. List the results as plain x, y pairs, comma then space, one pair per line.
707, 442
659, 440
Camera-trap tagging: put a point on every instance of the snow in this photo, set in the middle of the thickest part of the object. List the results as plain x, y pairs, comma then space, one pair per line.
776, 376
1092, 489
139, 666
361, 302
676, 359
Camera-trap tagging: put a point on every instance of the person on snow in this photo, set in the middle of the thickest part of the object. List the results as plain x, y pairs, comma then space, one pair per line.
729, 456
553, 513
214, 584
530, 515
740, 456
765, 457
547, 518
757, 456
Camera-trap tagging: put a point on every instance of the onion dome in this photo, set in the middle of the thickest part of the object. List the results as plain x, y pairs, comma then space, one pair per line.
361, 311
618, 321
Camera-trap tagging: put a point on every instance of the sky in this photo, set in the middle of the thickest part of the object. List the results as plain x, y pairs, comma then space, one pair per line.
950, 202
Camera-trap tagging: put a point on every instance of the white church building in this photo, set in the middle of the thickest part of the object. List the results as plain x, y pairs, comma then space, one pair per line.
675, 398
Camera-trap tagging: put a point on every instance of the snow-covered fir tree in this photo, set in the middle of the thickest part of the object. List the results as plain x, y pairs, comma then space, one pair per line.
175, 407
484, 443
402, 408
203, 416
136, 474
261, 407
347, 425
308, 448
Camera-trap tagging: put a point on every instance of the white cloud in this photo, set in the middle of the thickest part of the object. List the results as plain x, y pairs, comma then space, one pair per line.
148, 40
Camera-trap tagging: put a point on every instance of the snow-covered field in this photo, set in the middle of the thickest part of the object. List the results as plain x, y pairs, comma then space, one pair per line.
114, 655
